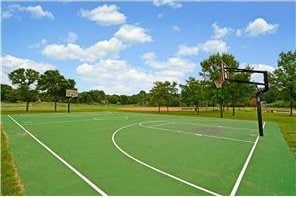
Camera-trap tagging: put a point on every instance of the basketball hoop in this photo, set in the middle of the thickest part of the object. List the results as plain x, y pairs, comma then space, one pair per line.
219, 82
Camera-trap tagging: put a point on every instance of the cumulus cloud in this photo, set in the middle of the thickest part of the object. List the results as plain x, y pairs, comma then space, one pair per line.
71, 37
257, 27
220, 32
172, 69
257, 66
215, 46
185, 50
104, 15
103, 49
115, 76
10, 63
133, 34
35, 11
100, 50
118, 76
172, 3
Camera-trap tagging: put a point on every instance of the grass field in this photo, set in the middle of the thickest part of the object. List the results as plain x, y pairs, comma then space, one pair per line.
125, 153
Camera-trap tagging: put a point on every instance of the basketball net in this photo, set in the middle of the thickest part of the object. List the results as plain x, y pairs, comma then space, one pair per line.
218, 82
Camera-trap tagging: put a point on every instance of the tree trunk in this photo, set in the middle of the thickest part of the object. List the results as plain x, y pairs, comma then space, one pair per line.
167, 108
27, 106
55, 105
291, 107
158, 107
221, 110
233, 109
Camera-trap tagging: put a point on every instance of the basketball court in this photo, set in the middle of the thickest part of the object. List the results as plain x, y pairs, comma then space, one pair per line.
123, 153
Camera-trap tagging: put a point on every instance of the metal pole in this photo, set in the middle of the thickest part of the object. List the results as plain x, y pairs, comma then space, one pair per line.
68, 105
259, 113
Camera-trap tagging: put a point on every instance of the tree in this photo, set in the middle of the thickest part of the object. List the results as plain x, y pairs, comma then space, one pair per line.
25, 79
286, 77
142, 98
211, 70
55, 85
98, 96
239, 91
193, 92
163, 93
5, 92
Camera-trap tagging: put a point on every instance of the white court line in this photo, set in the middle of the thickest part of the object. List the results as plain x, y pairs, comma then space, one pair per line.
158, 125
196, 134
156, 169
242, 172
70, 121
101, 192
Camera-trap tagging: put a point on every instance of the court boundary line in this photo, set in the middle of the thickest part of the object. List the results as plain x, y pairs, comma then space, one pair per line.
86, 180
244, 168
154, 168
196, 134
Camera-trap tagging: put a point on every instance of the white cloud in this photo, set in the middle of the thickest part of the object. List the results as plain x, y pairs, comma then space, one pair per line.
149, 57
172, 69
220, 32
214, 46
71, 37
35, 11
239, 32
115, 76
176, 28
257, 27
104, 15
257, 66
171, 3
10, 63
133, 34
103, 49
185, 50
100, 50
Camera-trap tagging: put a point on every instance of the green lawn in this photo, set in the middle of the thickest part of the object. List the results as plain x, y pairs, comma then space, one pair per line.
173, 145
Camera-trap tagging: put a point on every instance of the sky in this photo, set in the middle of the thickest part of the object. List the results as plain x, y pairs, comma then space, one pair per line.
122, 47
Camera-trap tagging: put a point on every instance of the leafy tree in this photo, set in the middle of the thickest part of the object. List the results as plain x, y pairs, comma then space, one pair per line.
113, 99
211, 69
193, 92
55, 85
98, 96
163, 93
239, 91
25, 79
142, 97
286, 77
5, 91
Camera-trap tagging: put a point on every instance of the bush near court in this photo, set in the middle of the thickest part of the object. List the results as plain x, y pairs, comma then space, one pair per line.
10, 181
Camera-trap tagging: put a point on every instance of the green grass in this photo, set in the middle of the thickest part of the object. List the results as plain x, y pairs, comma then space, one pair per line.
84, 140
46, 107
10, 181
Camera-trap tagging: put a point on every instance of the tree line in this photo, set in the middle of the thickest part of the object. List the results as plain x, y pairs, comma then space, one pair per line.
51, 87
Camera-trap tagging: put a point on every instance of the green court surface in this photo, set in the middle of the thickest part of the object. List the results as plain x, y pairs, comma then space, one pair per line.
120, 153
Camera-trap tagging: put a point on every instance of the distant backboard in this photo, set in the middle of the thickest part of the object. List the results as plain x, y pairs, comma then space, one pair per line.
71, 93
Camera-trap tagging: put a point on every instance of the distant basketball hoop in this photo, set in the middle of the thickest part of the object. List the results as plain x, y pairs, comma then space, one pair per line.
70, 94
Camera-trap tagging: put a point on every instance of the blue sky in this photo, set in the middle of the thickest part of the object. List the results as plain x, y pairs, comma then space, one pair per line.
123, 47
